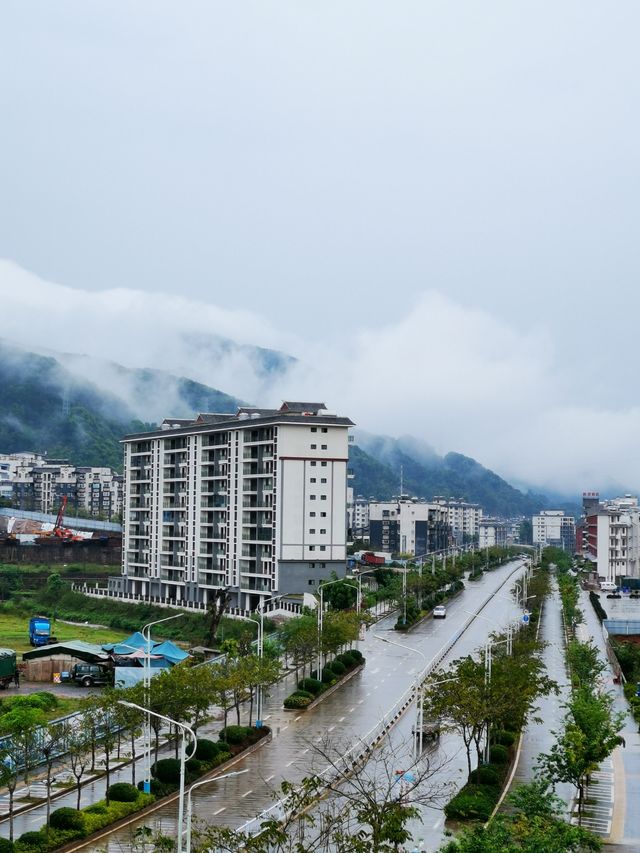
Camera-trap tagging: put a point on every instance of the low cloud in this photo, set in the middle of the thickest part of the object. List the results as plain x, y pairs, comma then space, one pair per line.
458, 378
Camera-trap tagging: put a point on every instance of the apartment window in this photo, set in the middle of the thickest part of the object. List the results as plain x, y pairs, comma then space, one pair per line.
323, 515
314, 429
314, 446
324, 429
323, 479
323, 530
312, 480
312, 497
312, 530
323, 547
323, 497
312, 580
312, 547
313, 515
313, 464
324, 464
323, 447
312, 565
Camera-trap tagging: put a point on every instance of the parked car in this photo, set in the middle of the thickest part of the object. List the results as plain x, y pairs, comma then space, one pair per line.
439, 612
90, 674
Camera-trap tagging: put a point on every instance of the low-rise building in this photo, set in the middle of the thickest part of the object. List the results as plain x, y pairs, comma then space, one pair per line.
553, 527
611, 536
463, 519
492, 533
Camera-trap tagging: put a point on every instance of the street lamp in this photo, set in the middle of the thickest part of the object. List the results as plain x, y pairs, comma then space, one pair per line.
358, 579
320, 613
147, 695
417, 740
183, 756
190, 803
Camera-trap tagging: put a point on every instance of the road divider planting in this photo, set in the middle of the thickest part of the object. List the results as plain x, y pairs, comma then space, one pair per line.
309, 690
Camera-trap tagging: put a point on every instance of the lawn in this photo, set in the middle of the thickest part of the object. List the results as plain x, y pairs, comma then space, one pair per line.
14, 631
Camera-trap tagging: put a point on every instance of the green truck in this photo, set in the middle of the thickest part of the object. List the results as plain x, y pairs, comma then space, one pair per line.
7, 667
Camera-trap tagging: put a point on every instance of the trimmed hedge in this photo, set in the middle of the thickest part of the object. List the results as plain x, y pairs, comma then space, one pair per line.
167, 771
68, 818
328, 675
498, 754
505, 738
485, 775
236, 734
121, 792
297, 700
338, 667
207, 750
473, 802
310, 685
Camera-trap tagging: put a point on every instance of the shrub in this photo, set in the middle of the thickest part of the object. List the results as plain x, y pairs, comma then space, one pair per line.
33, 840
122, 792
505, 738
357, 654
473, 803
485, 774
44, 700
297, 700
6, 846
207, 750
348, 660
328, 675
310, 685
195, 767
115, 811
498, 754
338, 668
167, 770
67, 818
101, 807
235, 734
158, 789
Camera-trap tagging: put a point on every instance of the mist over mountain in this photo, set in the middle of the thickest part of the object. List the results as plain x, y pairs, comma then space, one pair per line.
79, 407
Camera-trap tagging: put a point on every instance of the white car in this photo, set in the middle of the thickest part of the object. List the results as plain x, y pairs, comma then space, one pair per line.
439, 612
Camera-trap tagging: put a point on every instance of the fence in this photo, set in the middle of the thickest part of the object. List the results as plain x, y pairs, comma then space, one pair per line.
70, 520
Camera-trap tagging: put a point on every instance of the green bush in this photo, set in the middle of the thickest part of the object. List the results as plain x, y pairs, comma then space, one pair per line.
67, 818
235, 734
485, 774
498, 754
505, 738
158, 789
328, 675
122, 792
167, 770
6, 846
357, 654
32, 841
114, 811
297, 700
473, 803
338, 668
101, 807
207, 750
195, 767
310, 685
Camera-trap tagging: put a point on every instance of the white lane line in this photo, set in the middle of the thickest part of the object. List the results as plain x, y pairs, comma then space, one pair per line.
360, 701
341, 720
220, 810
331, 728
437, 823
289, 763
305, 751
351, 710
246, 793
295, 719
269, 778
267, 717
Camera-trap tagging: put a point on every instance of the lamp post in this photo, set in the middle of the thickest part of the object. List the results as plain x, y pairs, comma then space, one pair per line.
183, 756
190, 803
147, 695
320, 613
417, 740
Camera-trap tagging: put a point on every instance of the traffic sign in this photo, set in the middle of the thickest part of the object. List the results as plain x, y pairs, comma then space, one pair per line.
525, 618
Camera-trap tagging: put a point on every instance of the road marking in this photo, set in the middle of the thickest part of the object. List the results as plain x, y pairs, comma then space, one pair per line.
331, 728
285, 727
360, 701
220, 810
341, 720
268, 717
305, 751
269, 778
295, 719
246, 793
351, 710
437, 823
289, 763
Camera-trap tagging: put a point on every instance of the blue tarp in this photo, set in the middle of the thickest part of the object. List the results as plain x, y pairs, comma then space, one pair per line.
135, 641
129, 676
170, 651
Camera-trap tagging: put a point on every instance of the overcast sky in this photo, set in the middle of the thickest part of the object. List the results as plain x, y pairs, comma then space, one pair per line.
433, 205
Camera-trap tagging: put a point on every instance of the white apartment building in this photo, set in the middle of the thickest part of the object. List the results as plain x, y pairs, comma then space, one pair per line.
253, 501
553, 527
357, 515
463, 518
611, 538
408, 526
492, 533
99, 491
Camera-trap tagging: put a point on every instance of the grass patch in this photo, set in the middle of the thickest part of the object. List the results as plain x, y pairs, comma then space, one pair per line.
14, 630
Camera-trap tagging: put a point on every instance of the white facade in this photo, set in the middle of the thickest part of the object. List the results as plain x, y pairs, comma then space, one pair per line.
463, 518
357, 515
492, 533
408, 526
553, 527
254, 501
612, 538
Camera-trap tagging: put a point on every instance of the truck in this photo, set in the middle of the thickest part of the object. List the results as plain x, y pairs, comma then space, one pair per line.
8, 667
40, 631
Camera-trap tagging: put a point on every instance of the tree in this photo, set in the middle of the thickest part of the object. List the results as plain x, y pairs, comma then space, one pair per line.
24, 723
219, 600
52, 743
79, 751
9, 757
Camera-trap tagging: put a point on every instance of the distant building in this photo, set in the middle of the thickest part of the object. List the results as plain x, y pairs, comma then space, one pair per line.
611, 536
252, 501
553, 527
409, 526
463, 519
357, 515
492, 533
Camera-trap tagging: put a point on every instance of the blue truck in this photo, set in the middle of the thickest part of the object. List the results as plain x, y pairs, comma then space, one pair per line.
40, 631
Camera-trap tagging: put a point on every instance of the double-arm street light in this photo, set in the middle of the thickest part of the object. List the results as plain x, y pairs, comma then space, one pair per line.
183, 756
320, 615
190, 802
147, 695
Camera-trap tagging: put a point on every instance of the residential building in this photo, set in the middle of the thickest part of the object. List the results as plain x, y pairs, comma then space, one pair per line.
492, 533
463, 518
357, 515
99, 491
408, 526
611, 536
253, 501
553, 527
42, 487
